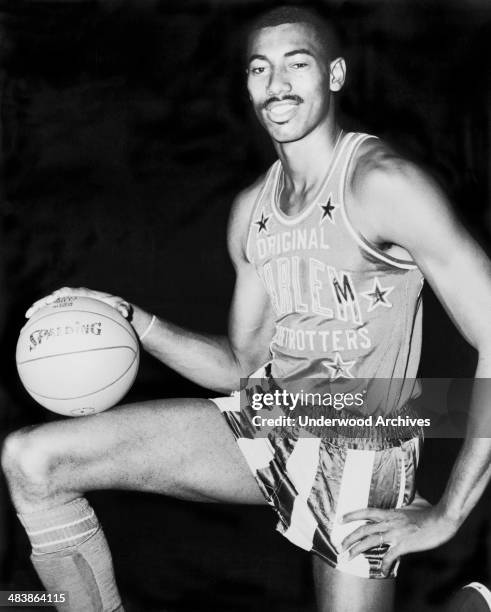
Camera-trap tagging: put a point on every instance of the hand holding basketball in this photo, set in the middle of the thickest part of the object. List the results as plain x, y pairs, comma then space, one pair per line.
122, 306
77, 355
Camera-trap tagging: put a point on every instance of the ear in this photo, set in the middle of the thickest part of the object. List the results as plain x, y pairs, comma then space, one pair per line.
337, 74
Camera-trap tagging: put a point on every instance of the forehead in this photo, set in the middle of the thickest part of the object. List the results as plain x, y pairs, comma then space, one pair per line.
276, 41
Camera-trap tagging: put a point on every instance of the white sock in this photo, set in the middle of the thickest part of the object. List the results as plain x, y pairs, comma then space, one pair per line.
70, 553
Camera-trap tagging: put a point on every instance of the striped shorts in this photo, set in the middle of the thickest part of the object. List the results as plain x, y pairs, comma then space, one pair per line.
313, 482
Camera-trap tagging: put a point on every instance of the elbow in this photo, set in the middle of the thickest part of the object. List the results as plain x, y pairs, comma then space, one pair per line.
483, 347
484, 360
227, 388
233, 381
236, 378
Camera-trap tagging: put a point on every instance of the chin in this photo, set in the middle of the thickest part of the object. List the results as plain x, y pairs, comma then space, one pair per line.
286, 132
285, 136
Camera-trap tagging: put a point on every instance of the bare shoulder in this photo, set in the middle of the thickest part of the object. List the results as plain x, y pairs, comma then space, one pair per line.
390, 195
240, 215
378, 166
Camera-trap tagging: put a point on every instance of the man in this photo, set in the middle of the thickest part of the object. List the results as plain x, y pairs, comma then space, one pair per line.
330, 248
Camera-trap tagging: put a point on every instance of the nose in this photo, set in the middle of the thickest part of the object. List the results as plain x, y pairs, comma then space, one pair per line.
279, 83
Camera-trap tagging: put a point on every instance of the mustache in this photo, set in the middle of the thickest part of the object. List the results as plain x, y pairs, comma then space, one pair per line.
293, 98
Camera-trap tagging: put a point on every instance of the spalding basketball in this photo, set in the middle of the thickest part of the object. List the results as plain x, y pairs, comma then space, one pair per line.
77, 356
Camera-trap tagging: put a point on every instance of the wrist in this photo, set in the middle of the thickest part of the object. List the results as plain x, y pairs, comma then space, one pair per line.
449, 515
140, 321
147, 330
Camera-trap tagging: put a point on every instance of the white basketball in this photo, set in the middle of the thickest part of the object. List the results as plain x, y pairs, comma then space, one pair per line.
77, 356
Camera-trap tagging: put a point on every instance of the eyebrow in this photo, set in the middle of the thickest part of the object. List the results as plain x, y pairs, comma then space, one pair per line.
257, 56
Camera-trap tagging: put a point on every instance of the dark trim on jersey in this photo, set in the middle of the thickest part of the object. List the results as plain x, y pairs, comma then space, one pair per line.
357, 140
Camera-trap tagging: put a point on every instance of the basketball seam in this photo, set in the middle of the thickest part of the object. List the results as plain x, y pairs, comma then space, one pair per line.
61, 399
91, 350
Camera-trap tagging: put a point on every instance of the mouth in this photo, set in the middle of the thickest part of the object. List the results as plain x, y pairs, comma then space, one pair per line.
281, 111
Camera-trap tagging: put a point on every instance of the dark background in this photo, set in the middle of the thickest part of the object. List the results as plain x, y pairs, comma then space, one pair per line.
125, 134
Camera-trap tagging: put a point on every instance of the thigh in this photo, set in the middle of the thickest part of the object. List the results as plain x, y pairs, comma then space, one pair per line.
337, 591
182, 448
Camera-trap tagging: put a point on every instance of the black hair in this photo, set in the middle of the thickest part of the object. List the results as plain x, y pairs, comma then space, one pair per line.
323, 27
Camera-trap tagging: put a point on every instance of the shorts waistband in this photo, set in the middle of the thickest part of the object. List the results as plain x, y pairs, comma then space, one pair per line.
351, 427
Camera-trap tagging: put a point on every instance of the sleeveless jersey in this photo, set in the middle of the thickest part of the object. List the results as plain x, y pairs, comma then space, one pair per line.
345, 310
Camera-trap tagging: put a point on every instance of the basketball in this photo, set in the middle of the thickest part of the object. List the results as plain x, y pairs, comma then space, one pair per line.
77, 356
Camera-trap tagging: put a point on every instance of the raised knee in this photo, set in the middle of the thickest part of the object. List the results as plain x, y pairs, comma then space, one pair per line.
26, 461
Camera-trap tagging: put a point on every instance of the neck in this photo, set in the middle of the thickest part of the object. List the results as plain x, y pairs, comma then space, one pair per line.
305, 161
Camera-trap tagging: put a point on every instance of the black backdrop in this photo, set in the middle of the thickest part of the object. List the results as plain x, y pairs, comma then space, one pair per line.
125, 134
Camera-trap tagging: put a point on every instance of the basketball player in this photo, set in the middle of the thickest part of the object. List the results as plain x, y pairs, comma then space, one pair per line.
330, 248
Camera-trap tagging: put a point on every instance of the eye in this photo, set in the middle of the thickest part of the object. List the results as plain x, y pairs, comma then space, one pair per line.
299, 65
256, 70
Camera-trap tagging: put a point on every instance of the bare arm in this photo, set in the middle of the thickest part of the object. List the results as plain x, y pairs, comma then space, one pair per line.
403, 207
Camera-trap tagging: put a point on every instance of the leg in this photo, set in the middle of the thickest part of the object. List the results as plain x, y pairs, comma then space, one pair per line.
337, 591
369, 478
181, 447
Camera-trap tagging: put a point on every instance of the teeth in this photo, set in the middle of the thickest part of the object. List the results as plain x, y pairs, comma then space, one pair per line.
281, 104
280, 109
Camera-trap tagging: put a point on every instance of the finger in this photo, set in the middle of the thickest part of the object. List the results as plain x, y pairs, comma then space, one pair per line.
82, 292
111, 300
368, 514
48, 299
373, 541
33, 308
114, 301
363, 532
65, 291
390, 557
123, 308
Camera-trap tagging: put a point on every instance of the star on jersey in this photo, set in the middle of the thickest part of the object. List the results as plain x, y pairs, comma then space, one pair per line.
377, 295
339, 368
262, 223
328, 209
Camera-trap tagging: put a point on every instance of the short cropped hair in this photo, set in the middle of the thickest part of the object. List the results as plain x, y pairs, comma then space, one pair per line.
322, 26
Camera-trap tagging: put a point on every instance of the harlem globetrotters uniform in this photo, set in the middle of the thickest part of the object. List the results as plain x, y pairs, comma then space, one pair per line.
346, 313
